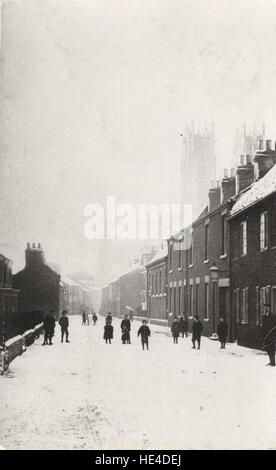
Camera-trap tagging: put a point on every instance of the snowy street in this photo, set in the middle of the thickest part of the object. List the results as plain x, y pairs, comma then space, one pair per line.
89, 395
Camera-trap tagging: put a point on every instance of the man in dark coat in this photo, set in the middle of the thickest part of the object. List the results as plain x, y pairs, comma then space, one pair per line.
108, 332
269, 334
175, 330
64, 324
94, 318
144, 331
222, 332
125, 327
197, 330
49, 328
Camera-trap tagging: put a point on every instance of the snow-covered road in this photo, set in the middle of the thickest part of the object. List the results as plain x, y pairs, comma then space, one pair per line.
89, 395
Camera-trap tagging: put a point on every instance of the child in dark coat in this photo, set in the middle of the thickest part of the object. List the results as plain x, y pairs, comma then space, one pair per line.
144, 331
108, 332
175, 330
222, 332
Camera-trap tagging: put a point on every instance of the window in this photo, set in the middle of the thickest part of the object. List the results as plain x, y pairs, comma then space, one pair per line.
170, 300
184, 299
257, 317
191, 300
179, 300
263, 231
191, 255
223, 234
179, 255
244, 305
197, 299
243, 243
2, 270
170, 255
160, 282
206, 300
206, 241
174, 302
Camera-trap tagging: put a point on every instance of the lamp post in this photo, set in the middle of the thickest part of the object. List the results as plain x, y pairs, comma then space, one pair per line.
214, 272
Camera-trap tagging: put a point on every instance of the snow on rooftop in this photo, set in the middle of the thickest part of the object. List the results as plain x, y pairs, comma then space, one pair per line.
258, 191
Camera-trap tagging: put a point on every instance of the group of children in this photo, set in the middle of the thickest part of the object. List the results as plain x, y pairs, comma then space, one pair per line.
143, 331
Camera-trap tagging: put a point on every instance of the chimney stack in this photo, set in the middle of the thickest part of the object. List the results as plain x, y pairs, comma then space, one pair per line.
34, 256
264, 160
228, 187
214, 198
244, 174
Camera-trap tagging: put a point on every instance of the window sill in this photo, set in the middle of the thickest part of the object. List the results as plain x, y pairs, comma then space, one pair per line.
206, 261
263, 249
170, 271
206, 320
191, 317
223, 256
244, 322
180, 269
191, 265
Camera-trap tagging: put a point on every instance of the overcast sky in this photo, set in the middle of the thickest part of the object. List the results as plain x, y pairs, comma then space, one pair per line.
94, 95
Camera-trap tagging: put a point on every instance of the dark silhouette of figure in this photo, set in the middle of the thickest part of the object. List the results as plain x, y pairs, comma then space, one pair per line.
108, 332
144, 331
269, 334
83, 318
49, 328
197, 331
175, 330
183, 326
94, 318
125, 327
64, 325
222, 332
108, 318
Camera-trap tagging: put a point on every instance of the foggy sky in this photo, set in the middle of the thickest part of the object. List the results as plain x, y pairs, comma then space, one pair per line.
93, 98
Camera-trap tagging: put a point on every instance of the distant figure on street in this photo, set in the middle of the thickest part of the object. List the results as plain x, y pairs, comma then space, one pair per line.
95, 319
49, 328
64, 324
83, 318
222, 332
269, 334
197, 330
144, 331
125, 327
108, 332
175, 330
183, 326
108, 318
87, 319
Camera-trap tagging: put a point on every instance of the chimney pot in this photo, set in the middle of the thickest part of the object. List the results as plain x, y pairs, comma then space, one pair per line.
232, 172
269, 144
28, 246
248, 159
242, 159
33, 245
225, 171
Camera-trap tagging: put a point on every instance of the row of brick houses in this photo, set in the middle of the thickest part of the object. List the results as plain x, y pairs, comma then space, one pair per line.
128, 291
225, 263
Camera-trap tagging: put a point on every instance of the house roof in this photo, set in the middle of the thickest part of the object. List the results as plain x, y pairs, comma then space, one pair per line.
256, 192
159, 255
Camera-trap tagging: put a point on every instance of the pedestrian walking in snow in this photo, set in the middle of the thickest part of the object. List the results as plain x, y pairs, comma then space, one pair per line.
64, 325
108, 318
222, 332
108, 332
83, 318
197, 331
95, 319
175, 330
49, 328
125, 327
144, 331
269, 334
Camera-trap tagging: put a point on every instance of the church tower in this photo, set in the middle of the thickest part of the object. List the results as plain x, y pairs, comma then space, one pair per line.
198, 167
